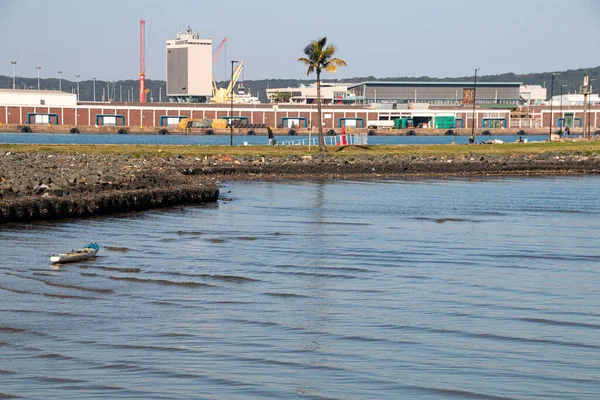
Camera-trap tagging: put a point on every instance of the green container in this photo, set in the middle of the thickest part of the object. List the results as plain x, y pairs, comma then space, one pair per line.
401, 123
445, 122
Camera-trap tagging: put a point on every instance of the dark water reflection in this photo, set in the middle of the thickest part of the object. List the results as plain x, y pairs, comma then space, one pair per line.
445, 289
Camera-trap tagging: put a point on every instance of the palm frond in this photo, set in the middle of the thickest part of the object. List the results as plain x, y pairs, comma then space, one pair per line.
322, 42
338, 62
329, 51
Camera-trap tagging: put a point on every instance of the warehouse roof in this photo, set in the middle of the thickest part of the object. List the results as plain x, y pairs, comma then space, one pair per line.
437, 83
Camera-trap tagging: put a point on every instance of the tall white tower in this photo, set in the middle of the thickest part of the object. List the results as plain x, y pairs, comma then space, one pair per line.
189, 68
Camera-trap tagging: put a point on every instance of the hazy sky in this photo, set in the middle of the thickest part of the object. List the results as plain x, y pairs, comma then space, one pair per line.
380, 38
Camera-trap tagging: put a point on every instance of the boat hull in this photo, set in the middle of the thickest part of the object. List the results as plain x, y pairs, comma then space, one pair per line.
79, 255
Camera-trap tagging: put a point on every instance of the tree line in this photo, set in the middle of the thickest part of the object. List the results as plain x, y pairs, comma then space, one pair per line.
124, 90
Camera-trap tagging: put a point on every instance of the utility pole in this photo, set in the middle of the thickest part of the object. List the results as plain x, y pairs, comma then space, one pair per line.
77, 76
589, 108
231, 115
38, 70
551, 104
13, 65
474, 100
562, 116
587, 92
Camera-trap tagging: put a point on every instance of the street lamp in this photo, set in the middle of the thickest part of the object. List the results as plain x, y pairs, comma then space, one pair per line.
94, 79
562, 117
551, 102
589, 131
474, 100
13, 64
60, 81
231, 115
38, 70
77, 76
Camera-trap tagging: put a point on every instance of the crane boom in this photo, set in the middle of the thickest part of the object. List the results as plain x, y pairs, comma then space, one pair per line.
234, 79
218, 51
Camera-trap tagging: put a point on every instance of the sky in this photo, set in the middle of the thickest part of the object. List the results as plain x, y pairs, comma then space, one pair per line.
379, 38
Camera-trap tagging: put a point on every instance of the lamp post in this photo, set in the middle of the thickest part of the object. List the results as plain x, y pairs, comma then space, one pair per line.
375, 96
551, 102
13, 64
94, 79
77, 76
589, 131
38, 70
231, 115
60, 81
474, 100
562, 120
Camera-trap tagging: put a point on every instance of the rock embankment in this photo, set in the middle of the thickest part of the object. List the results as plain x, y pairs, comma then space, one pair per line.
43, 186
37, 186
389, 165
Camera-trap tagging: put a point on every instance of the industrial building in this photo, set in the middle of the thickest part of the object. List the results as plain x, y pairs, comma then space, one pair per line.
402, 93
331, 93
436, 93
152, 117
189, 68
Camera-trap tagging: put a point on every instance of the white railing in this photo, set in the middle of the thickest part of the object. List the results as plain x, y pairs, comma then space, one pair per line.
525, 123
339, 140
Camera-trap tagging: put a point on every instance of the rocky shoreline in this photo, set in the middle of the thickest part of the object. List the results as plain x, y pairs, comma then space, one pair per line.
36, 186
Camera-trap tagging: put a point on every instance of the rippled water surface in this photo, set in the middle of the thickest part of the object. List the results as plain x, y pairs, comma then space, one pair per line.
224, 140
435, 289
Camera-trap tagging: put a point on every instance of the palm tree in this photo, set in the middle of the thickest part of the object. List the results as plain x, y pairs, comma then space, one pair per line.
319, 57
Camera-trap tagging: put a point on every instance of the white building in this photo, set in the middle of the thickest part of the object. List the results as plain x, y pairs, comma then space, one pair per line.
331, 93
533, 95
574, 100
189, 68
36, 98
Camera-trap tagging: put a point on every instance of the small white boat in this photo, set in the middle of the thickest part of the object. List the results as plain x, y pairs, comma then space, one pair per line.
87, 252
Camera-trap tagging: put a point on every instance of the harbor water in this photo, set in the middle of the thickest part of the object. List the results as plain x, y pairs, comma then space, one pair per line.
224, 140
479, 288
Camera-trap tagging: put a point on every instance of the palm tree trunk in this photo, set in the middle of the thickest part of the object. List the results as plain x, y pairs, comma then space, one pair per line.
321, 139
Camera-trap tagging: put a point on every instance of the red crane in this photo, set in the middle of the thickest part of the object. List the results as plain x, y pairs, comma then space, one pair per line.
218, 51
142, 62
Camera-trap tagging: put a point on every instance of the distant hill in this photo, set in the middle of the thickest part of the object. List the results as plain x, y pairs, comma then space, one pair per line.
122, 89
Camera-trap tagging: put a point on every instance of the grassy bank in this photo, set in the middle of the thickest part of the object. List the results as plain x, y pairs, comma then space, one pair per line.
586, 147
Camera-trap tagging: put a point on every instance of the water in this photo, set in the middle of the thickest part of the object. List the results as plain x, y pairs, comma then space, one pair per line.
430, 289
213, 140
